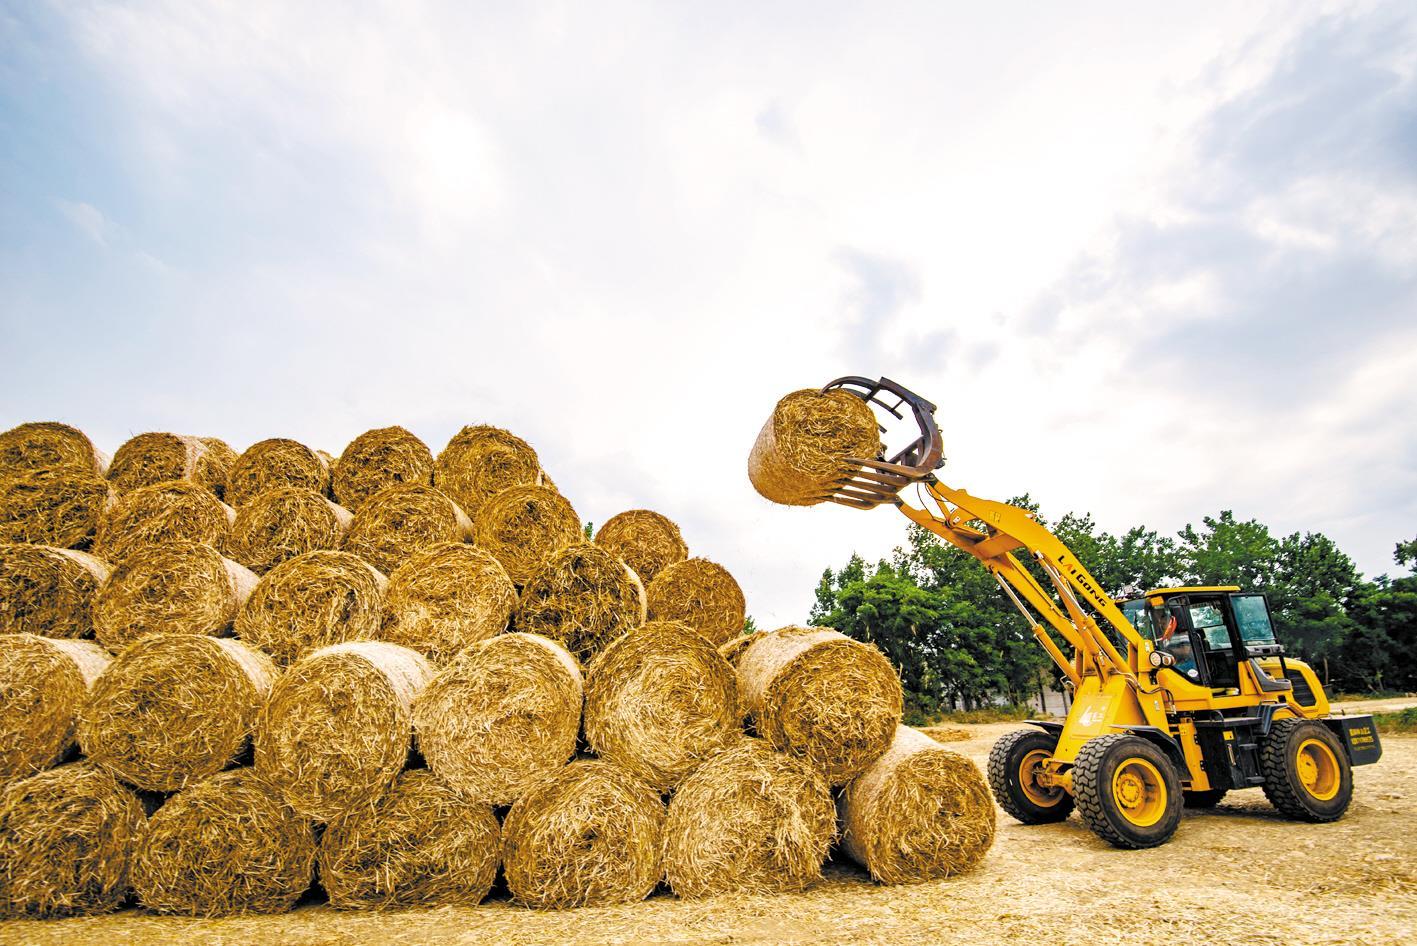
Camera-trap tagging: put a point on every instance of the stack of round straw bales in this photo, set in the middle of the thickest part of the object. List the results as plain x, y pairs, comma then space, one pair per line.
220, 673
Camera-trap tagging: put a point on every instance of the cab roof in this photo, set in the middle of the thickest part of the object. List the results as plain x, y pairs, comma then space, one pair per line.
1189, 589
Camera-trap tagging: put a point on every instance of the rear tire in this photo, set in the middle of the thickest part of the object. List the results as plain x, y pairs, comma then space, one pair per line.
1012, 762
1208, 798
1306, 771
1127, 791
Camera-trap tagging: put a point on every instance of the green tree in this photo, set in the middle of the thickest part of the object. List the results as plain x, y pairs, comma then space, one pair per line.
1312, 590
1228, 551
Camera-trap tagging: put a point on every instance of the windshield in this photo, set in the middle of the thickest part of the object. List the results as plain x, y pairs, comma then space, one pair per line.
1252, 616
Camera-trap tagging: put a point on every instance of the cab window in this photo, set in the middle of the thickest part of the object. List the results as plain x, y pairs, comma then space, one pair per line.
1209, 622
1252, 617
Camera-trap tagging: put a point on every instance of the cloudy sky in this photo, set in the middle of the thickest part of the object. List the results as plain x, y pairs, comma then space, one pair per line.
1153, 260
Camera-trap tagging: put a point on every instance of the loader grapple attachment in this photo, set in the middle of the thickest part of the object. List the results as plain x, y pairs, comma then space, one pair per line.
877, 481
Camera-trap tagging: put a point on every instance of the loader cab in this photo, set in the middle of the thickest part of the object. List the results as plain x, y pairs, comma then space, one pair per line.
1209, 631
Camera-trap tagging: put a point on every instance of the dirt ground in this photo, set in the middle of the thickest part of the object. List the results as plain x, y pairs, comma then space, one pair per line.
1237, 874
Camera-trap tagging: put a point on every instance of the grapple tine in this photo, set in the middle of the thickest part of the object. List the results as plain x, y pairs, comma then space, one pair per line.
877, 480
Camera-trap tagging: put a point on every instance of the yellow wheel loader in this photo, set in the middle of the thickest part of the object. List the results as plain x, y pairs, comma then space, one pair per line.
1179, 695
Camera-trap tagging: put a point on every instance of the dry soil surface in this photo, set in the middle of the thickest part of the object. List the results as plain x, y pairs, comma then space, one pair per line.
1237, 874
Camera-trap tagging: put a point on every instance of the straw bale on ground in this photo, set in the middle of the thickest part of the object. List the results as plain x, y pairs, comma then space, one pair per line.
48, 591
502, 716
173, 709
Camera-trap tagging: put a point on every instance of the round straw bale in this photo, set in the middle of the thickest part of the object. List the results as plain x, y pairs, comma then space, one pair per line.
446, 597
178, 588
920, 812
48, 445
421, 844
815, 693
701, 594
644, 540
589, 835
61, 507
749, 820
400, 520
523, 526
44, 590
177, 510
43, 686
310, 601
155, 458
735, 648
225, 846
214, 465
386, 456
806, 445
584, 597
273, 463
659, 701
502, 716
282, 523
67, 839
480, 462
338, 726
173, 709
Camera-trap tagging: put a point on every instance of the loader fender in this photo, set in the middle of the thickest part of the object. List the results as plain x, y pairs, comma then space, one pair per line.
1163, 740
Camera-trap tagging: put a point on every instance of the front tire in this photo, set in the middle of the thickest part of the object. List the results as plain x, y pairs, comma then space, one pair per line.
1127, 791
1306, 772
1013, 766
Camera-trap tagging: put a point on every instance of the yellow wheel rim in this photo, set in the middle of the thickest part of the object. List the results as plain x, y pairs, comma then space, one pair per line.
1318, 769
1044, 796
1139, 791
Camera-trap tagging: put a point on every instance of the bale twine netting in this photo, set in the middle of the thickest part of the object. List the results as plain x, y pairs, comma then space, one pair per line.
67, 839
273, 463
227, 845
175, 511
644, 540
807, 444
43, 685
61, 507
46, 445
501, 717
422, 843
749, 820
481, 461
282, 523
815, 693
176, 588
311, 601
659, 701
524, 526
445, 598
48, 591
338, 726
701, 594
153, 458
398, 521
583, 597
920, 812
386, 456
589, 835
173, 709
